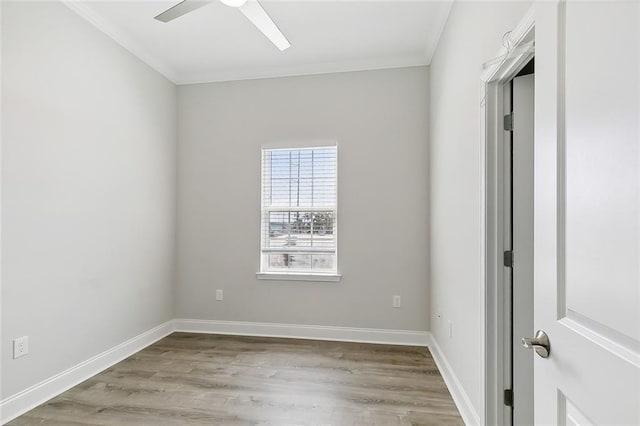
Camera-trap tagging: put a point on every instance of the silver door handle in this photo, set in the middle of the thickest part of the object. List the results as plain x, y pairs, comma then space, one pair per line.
540, 343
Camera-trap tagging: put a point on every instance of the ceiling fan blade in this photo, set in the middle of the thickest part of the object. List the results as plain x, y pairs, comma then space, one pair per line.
256, 14
182, 8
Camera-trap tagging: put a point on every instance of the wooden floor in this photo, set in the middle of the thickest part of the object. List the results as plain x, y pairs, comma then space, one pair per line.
228, 380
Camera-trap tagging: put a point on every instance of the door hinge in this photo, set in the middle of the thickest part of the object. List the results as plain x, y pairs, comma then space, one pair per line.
508, 258
508, 122
508, 397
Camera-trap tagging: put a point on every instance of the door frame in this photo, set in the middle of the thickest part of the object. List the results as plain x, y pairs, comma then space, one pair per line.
518, 49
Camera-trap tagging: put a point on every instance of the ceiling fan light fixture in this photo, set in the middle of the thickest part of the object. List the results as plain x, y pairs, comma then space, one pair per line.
234, 3
249, 8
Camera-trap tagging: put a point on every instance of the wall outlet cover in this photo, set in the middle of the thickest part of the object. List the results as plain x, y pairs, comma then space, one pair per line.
396, 301
20, 347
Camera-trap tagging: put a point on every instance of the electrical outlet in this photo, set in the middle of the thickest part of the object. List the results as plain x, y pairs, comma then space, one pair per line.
450, 330
396, 301
20, 346
219, 295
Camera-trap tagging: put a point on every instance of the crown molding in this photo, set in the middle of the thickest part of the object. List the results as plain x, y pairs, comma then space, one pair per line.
80, 7
304, 69
443, 17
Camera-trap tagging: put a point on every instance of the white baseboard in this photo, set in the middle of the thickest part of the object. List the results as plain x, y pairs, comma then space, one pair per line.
23, 401
460, 397
313, 332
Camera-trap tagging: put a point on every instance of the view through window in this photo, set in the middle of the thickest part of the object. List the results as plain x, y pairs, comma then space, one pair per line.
299, 210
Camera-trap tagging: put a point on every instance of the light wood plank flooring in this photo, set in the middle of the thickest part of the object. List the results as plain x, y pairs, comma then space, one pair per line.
190, 378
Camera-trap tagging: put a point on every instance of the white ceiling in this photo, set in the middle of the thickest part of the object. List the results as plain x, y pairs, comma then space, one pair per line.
217, 43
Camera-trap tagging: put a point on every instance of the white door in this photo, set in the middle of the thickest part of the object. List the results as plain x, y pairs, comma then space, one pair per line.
587, 212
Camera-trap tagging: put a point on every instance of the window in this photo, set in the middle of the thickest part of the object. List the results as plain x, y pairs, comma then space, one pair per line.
299, 212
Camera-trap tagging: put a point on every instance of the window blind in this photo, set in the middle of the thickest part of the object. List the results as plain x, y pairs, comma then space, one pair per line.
299, 210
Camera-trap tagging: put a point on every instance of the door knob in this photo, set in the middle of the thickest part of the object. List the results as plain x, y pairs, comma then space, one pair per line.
540, 343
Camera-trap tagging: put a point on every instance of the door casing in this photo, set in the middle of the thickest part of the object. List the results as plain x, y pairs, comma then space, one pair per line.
518, 50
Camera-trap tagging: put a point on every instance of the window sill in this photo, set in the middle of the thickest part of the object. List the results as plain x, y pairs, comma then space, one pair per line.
298, 276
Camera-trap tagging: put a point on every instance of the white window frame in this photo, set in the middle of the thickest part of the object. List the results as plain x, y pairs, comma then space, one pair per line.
332, 276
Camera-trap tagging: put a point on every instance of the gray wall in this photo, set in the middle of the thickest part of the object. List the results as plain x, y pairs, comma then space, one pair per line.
88, 192
379, 119
472, 36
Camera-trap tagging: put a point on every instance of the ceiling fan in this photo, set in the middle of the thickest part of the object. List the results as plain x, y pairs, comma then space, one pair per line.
249, 8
